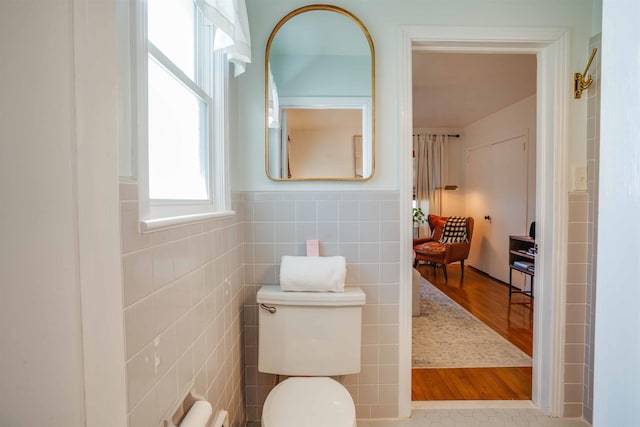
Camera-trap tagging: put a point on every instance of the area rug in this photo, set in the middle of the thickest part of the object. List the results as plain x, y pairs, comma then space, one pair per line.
445, 335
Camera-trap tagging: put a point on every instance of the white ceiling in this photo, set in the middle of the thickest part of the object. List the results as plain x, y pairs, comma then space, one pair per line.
452, 90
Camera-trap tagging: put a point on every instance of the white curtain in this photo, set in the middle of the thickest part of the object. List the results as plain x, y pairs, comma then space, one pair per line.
429, 174
232, 30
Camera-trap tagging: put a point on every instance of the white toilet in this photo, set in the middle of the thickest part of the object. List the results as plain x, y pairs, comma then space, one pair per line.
309, 336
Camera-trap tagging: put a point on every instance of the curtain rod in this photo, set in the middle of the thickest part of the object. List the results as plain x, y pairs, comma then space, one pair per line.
457, 135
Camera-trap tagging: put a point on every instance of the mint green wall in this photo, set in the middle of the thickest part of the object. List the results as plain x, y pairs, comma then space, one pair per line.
327, 75
383, 18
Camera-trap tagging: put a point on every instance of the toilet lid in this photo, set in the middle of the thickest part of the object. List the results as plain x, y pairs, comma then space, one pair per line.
309, 402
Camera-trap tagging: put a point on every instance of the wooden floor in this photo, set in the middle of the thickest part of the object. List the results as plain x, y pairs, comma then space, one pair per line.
488, 300
471, 384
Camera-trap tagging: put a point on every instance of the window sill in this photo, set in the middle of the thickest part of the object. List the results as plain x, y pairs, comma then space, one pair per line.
149, 225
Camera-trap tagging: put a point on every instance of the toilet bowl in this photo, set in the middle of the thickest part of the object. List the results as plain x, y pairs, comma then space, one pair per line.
309, 402
309, 337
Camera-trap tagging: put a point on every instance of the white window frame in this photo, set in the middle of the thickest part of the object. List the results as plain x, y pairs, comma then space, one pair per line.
158, 214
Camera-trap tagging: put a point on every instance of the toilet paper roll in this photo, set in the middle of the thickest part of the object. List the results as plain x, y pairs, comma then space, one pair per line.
198, 415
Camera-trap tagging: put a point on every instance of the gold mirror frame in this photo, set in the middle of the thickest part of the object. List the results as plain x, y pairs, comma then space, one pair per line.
289, 16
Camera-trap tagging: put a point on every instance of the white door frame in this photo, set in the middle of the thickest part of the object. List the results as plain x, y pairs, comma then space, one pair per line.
551, 45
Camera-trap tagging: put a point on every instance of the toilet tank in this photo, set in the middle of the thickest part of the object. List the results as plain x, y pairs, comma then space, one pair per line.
309, 333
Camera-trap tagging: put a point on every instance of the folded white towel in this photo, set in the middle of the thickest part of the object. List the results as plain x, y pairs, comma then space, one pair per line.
313, 273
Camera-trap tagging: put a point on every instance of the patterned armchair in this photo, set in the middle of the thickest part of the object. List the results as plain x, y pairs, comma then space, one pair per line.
430, 249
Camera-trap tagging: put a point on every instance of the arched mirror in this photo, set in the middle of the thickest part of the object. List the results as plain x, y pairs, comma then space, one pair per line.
319, 80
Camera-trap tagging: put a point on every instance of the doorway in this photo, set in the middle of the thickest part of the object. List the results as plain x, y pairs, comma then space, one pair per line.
463, 340
551, 48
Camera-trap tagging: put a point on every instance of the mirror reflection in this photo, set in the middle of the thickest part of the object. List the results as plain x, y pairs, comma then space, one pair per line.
320, 97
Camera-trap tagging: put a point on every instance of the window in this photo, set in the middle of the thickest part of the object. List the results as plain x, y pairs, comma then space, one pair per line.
181, 99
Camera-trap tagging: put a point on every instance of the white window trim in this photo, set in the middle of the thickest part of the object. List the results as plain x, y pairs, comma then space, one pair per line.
159, 215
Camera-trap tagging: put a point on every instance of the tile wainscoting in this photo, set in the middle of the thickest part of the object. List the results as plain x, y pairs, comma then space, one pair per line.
182, 308
575, 321
363, 227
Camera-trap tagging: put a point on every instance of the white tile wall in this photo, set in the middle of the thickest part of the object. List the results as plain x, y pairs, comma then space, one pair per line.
582, 257
575, 304
183, 314
361, 226
582, 233
593, 162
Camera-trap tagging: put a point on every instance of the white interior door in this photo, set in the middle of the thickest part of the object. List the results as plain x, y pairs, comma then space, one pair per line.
478, 195
497, 200
509, 201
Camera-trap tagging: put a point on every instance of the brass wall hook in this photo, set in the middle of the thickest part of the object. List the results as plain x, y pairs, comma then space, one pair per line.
579, 81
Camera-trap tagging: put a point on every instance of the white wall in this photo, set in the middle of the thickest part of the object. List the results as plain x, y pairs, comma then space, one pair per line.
383, 18
320, 152
504, 124
617, 347
54, 156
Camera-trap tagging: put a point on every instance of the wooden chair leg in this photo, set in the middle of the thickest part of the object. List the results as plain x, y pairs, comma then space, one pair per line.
462, 268
415, 263
444, 267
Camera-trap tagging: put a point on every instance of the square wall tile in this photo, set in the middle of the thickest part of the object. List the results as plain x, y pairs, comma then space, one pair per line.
264, 210
139, 325
348, 232
306, 210
369, 252
181, 264
575, 333
572, 410
328, 210
327, 231
369, 210
285, 210
577, 253
162, 265
264, 232
137, 275
389, 231
167, 393
140, 375
573, 393
578, 232
369, 231
146, 413
165, 311
575, 314
348, 210
389, 210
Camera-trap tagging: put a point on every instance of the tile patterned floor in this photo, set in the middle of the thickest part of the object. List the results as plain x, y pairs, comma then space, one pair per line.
524, 417
477, 418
